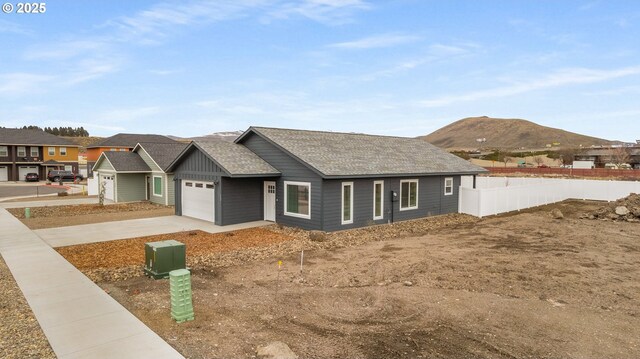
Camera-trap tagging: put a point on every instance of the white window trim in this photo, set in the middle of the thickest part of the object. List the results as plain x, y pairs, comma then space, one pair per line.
63, 153
445, 186
305, 216
24, 151
51, 149
36, 150
381, 216
417, 191
350, 221
5, 150
153, 188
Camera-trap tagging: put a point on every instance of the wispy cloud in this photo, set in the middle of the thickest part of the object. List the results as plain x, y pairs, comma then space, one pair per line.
22, 83
123, 115
64, 50
560, 78
13, 28
329, 12
165, 72
377, 41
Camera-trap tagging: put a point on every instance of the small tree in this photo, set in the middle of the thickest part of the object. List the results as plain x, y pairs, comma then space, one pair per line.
506, 159
101, 190
620, 156
538, 160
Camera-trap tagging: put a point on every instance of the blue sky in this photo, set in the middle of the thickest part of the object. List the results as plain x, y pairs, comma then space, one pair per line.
403, 68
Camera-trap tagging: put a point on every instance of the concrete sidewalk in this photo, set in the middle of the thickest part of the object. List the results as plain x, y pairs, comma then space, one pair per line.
51, 202
108, 231
78, 318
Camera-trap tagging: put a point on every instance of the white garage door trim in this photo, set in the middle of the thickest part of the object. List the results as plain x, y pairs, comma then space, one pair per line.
23, 170
4, 174
108, 187
198, 200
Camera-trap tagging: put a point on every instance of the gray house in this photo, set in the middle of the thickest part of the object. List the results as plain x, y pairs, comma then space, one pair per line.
140, 174
316, 180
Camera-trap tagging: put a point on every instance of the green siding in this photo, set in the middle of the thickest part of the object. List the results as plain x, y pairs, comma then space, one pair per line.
147, 159
130, 187
104, 166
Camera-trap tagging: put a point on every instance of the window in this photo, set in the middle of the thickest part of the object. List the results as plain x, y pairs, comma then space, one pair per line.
22, 151
157, 186
297, 199
52, 151
448, 186
209, 186
198, 185
408, 194
189, 184
378, 200
347, 202
63, 151
35, 152
4, 152
113, 149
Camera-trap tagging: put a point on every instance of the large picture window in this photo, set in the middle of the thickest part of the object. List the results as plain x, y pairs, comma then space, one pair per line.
408, 194
347, 202
157, 186
378, 199
297, 199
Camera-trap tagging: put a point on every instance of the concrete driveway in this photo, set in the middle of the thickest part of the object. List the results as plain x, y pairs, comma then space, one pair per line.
108, 231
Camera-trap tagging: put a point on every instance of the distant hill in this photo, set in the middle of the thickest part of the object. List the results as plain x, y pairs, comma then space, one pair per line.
83, 142
507, 134
226, 136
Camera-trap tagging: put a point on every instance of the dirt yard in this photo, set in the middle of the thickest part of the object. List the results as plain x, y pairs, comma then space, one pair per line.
71, 215
520, 285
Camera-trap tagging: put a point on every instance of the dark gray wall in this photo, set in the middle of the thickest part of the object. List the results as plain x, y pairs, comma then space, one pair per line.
242, 200
292, 170
431, 201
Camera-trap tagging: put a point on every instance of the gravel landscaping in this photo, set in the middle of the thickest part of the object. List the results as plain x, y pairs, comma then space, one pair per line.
124, 259
20, 333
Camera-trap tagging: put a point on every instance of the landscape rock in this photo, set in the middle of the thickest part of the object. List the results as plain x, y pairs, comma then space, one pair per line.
622, 210
275, 350
557, 214
408, 283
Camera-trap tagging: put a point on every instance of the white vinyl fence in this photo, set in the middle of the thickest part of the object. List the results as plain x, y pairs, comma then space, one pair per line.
92, 186
494, 195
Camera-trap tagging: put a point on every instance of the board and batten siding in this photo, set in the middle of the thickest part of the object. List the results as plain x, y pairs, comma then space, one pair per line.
171, 193
130, 187
292, 170
196, 166
431, 201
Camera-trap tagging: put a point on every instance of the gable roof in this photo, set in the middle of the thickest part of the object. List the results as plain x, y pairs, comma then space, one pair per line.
162, 153
235, 159
130, 140
334, 154
18, 136
122, 161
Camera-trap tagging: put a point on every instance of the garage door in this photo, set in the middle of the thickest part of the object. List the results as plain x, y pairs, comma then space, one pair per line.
198, 200
108, 187
4, 174
23, 170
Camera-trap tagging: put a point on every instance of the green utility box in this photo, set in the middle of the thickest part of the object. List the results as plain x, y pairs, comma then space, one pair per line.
163, 257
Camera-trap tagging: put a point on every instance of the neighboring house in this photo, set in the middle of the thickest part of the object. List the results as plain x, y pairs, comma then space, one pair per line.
124, 142
139, 175
317, 180
603, 156
34, 151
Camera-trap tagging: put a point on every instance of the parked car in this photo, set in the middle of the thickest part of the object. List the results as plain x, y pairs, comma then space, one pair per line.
55, 176
32, 177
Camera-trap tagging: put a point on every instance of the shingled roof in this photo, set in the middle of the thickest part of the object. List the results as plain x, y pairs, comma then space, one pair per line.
334, 154
130, 140
17, 136
235, 159
124, 161
163, 153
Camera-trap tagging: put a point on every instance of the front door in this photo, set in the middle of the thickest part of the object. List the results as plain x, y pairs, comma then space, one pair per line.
269, 201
